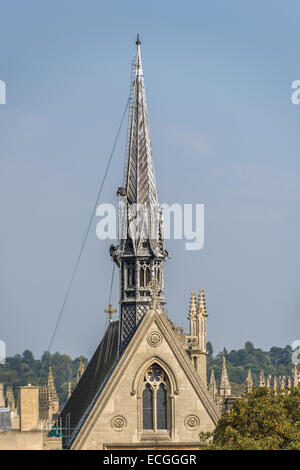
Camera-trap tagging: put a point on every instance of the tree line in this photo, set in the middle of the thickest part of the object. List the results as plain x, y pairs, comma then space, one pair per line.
276, 362
263, 420
22, 369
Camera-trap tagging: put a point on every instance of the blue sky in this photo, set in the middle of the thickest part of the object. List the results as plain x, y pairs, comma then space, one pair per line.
224, 133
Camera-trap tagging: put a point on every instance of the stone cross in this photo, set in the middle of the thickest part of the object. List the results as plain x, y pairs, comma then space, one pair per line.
110, 310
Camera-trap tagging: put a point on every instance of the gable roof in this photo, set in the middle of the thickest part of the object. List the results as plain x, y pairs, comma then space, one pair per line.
116, 372
94, 377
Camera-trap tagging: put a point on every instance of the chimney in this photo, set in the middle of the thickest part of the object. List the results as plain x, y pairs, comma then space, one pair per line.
29, 408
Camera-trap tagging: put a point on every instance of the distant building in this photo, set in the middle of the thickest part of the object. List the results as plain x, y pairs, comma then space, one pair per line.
27, 426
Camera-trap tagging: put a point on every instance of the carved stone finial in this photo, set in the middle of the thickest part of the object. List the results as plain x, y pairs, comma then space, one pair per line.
154, 285
193, 307
262, 382
81, 369
213, 385
275, 385
295, 375
249, 382
69, 389
202, 311
225, 387
51, 387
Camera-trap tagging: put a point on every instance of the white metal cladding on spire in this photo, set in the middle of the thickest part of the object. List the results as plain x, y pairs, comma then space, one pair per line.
139, 172
141, 253
139, 67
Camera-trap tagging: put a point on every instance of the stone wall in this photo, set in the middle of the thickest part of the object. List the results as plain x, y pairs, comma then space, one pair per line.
28, 440
17, 440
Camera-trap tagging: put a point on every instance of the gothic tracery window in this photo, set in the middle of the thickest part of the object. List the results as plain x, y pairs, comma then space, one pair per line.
147, 408
155, 399
161, 407
145, 274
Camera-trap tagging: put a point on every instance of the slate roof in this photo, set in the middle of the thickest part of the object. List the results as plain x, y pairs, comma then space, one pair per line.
95, 375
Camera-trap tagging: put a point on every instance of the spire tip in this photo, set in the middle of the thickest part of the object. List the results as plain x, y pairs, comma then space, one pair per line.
138, 42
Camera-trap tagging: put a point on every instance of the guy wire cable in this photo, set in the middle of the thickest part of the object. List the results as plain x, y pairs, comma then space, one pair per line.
84, 240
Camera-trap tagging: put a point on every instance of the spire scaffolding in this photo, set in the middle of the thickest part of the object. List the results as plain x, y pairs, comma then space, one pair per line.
141, 251
140, 177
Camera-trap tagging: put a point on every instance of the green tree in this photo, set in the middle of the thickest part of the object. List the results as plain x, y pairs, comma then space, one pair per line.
277, 361
209, 349
249, 346
262, 421
275, 355
23, 369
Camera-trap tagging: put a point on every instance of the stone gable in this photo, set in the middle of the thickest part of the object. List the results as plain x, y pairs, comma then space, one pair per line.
116, 417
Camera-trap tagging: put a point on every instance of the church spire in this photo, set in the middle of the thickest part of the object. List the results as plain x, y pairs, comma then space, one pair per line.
225, 387
249, 382
262, 382
295, 375
275, 385
141, 253
193, 314
69, 389
139, 173
213, 385
51, 392
201, 321
51, 386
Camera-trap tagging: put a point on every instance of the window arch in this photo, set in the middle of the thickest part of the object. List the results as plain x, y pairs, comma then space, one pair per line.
155, 399
142, 277
130, 275
147, 276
